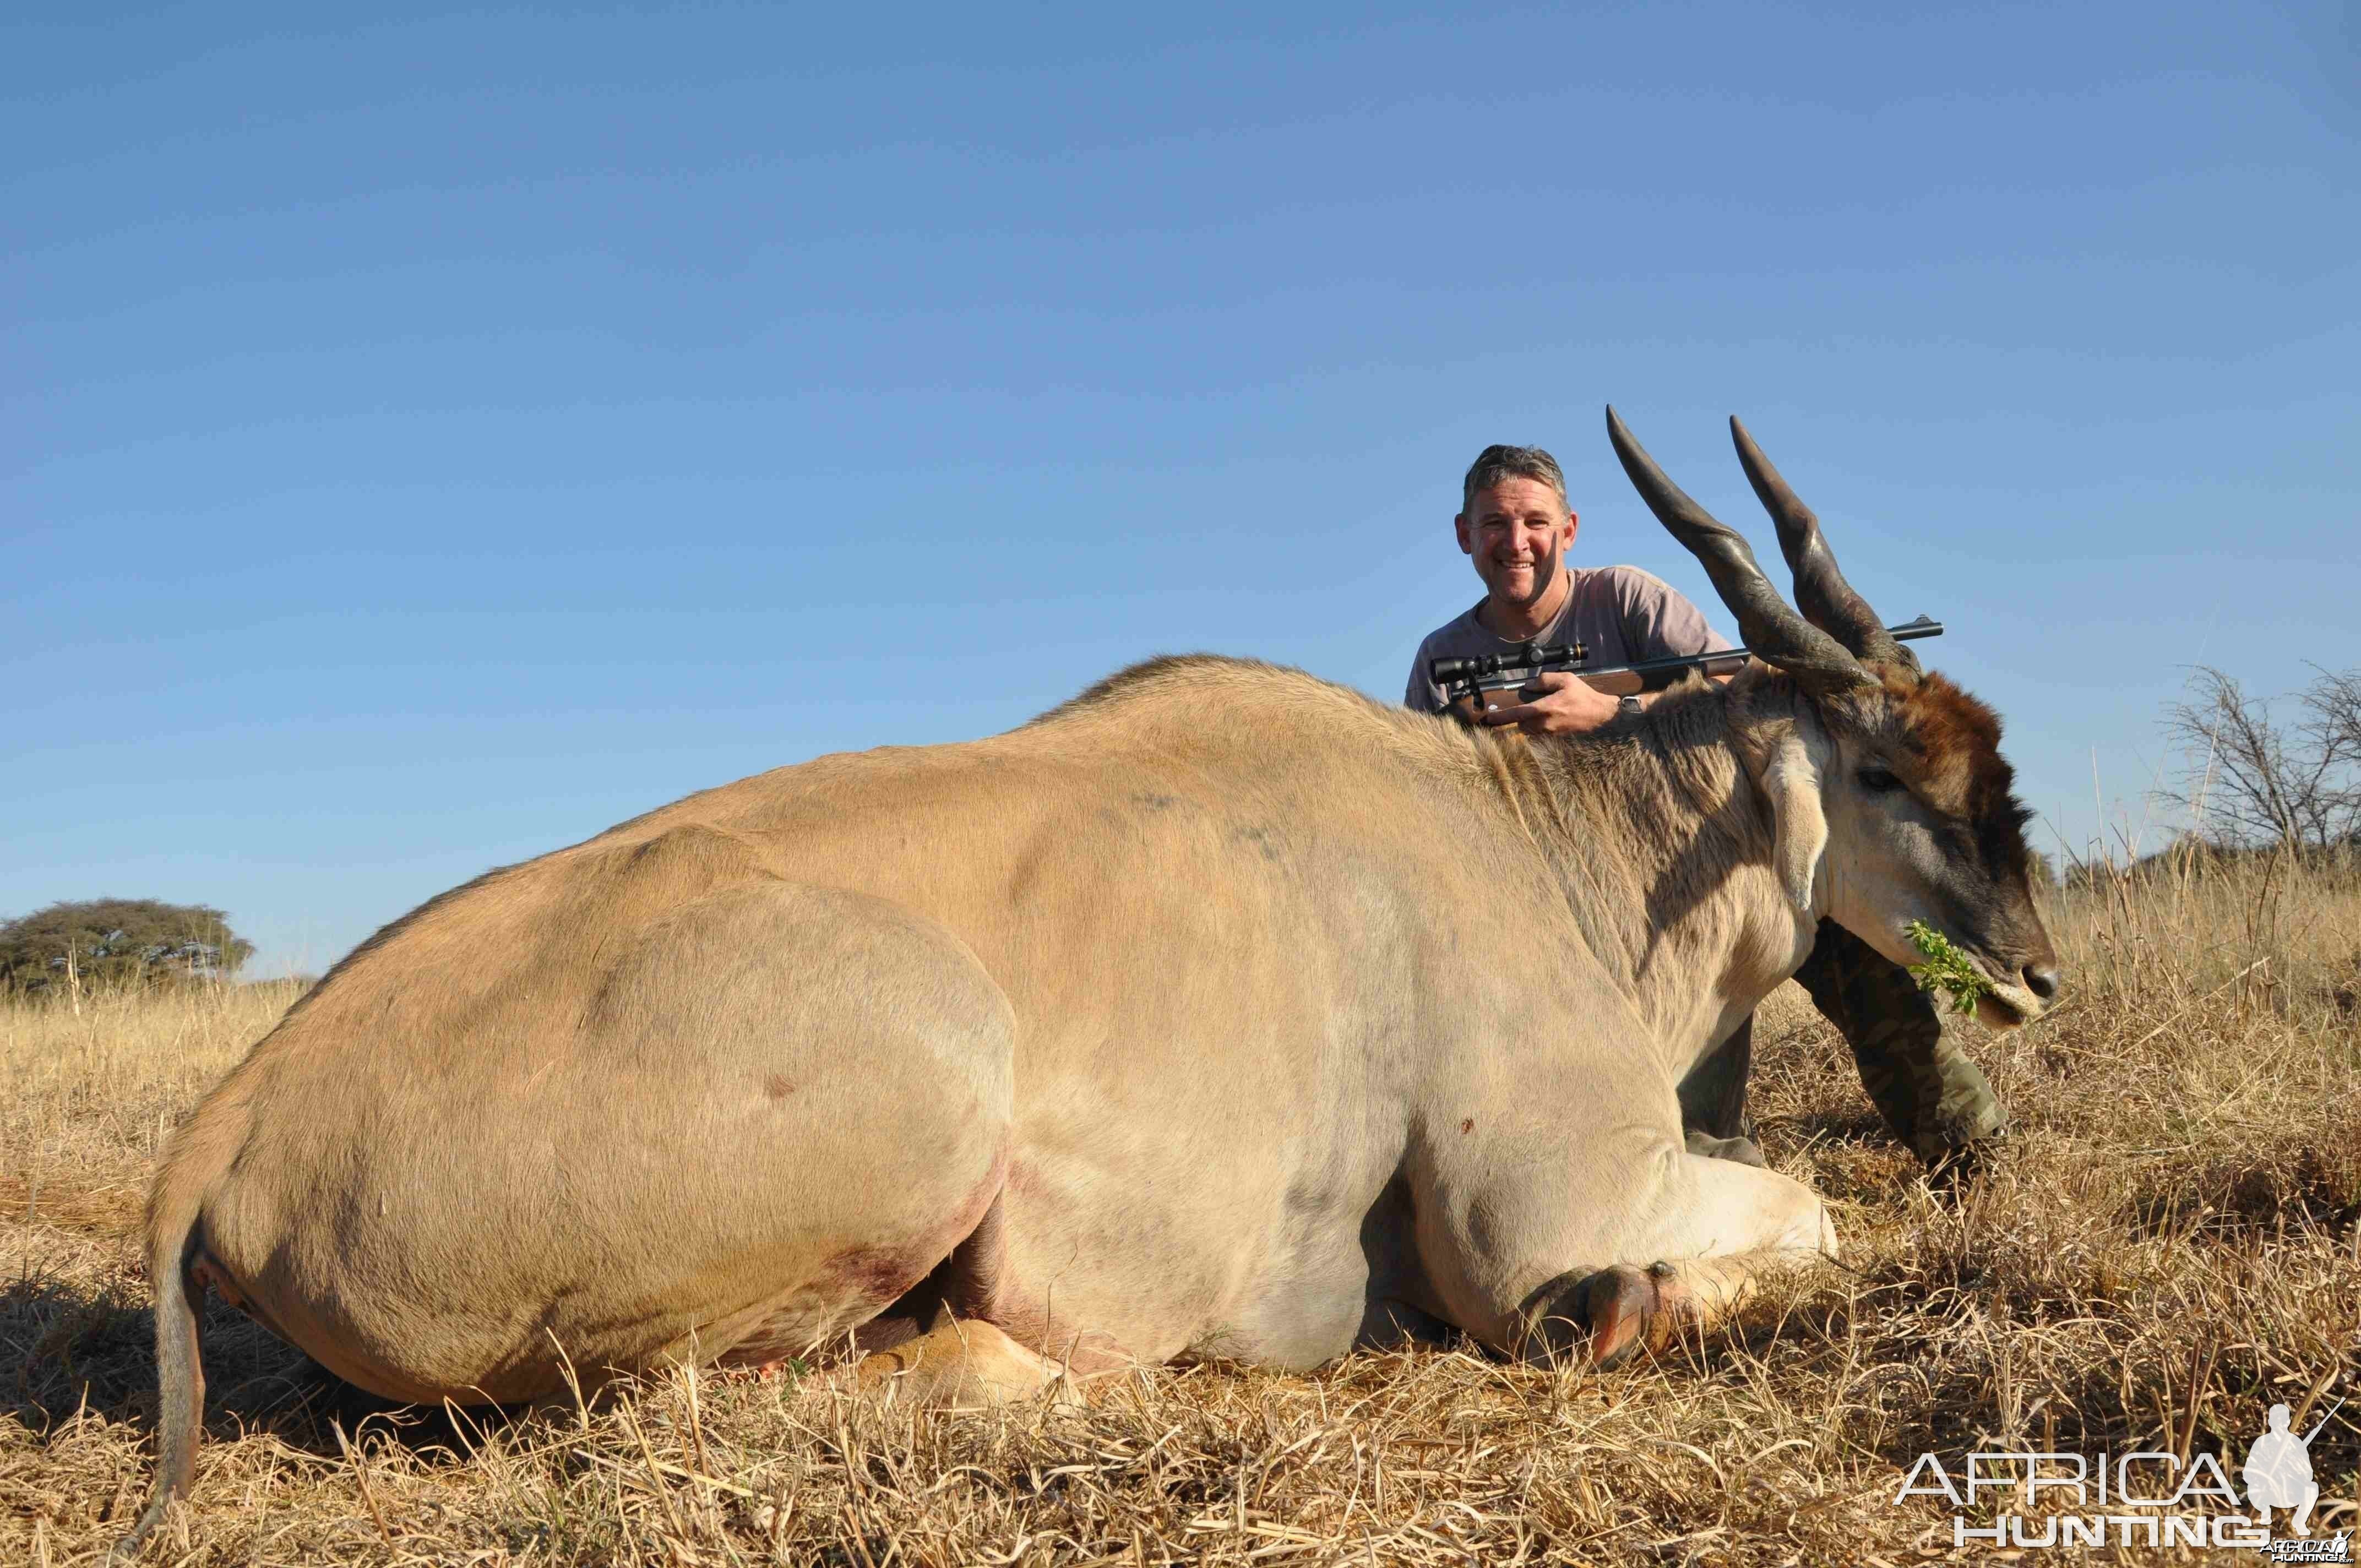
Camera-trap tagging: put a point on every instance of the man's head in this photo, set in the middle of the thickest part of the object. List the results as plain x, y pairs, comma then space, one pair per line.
2279, 1418
1514, 524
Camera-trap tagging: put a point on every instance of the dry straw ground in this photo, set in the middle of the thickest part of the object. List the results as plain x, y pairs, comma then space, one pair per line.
2169, 1245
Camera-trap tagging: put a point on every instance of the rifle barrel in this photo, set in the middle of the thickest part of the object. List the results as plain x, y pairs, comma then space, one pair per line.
1534, 657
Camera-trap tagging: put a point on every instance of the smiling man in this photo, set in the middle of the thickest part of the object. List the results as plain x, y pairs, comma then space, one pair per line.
1516, 527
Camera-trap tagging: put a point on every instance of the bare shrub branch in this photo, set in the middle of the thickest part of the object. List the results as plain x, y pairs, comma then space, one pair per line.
2331, 727
2252, 779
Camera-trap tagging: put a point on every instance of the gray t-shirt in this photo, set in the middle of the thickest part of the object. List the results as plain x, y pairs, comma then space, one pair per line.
1624, 615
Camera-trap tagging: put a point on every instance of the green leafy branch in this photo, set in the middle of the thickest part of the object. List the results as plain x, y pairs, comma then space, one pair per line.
1947, 969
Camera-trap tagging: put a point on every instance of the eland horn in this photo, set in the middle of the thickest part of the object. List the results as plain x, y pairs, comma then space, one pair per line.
1827, 600
1773, 631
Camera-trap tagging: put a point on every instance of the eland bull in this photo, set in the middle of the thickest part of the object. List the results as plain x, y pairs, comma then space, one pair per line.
1220, 1010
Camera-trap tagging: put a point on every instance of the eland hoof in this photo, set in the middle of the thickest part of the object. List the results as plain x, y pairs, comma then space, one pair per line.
1628, 1308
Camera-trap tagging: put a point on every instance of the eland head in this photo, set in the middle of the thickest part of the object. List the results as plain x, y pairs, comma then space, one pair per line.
1892, 803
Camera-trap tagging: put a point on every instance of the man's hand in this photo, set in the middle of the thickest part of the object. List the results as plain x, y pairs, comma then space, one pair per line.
1568, 706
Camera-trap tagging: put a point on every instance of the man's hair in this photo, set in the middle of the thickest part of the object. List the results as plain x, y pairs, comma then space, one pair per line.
1495, 464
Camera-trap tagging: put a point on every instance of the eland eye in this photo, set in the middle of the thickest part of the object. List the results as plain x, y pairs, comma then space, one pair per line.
1877, 781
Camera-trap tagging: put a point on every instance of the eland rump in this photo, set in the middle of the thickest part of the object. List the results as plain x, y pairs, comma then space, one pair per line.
1220, 1009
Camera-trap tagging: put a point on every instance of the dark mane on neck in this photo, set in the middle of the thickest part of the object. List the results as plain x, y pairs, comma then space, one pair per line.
1653, 813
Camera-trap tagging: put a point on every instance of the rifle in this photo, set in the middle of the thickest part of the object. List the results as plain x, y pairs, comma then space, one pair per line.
1490, 682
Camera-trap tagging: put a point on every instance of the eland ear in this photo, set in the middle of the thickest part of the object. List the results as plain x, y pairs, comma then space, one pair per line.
1799, 825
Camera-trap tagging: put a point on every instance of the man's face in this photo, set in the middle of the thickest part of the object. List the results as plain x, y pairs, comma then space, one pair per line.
1517, 533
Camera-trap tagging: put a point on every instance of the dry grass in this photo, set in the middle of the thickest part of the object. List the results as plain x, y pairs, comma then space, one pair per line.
2169, 1245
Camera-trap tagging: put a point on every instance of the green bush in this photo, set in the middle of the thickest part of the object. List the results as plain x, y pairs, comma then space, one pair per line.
118, 941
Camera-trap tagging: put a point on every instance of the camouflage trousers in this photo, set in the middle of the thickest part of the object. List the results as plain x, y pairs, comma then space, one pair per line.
1932, 1097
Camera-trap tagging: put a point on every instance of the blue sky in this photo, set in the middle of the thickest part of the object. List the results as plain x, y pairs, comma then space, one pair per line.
428, 441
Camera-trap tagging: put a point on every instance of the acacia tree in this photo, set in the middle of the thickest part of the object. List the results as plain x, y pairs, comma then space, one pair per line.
2251, 778
118, 941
